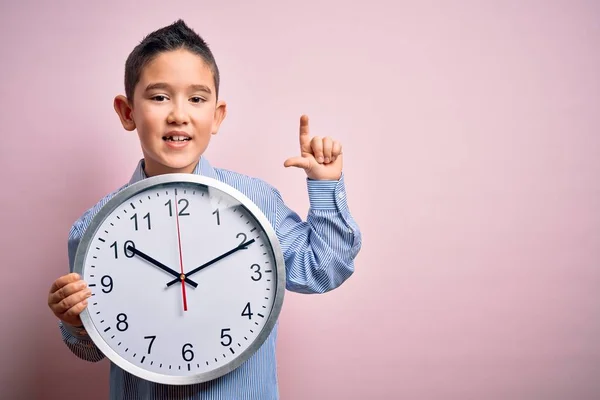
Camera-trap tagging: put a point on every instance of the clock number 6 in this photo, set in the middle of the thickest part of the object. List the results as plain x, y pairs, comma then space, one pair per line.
188, 355
225, 335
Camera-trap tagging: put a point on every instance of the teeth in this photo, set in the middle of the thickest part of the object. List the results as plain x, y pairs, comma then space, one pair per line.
177, 138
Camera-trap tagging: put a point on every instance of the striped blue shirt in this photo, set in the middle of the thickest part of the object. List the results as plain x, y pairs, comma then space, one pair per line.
319, 256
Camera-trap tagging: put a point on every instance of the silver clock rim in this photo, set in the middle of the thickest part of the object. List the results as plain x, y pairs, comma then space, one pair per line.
148, 183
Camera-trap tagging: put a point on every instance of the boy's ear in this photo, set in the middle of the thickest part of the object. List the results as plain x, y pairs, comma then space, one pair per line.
124, 110
220, 113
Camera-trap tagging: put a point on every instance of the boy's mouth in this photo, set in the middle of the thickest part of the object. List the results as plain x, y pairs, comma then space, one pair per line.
176, 138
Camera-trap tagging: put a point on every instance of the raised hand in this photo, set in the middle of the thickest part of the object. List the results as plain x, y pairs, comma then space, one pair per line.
321, 158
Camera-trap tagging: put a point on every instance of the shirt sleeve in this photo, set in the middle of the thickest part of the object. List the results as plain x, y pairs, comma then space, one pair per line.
76, 338
319, 253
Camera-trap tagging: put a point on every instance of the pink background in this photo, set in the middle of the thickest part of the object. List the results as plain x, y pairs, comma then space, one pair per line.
470, 130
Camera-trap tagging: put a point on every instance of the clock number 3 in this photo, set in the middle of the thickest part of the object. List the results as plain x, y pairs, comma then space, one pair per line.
257, 272
182, 210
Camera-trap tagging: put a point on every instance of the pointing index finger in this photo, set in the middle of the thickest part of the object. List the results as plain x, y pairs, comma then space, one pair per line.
304, 134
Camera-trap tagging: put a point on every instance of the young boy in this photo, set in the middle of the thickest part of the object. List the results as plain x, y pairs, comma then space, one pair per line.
172, 100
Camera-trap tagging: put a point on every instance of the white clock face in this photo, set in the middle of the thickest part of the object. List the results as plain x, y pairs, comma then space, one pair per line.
134, 256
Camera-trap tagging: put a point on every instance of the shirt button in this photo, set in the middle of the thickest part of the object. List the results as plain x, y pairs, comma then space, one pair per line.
341, 195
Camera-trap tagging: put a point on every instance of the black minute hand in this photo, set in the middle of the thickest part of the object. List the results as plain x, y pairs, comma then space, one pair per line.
161, 266
214, 260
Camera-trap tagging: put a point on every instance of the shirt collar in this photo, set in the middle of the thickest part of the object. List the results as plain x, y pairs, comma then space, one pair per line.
202, 168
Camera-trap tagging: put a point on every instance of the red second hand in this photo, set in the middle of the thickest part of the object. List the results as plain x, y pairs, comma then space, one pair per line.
180, 256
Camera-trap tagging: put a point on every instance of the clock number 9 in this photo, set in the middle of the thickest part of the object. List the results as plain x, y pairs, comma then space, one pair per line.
188, 355
107, 285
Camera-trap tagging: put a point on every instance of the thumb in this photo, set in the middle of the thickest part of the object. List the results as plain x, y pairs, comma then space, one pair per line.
299, 162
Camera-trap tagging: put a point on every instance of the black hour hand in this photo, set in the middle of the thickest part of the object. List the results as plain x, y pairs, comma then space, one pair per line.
161, 266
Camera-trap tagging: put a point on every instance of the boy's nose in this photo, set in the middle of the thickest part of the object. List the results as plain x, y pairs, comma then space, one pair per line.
177, 116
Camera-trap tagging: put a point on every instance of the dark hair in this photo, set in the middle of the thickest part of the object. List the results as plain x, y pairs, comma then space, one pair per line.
172, 37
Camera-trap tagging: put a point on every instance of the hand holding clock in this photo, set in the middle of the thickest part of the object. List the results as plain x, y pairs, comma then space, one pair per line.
67, 298
68, 295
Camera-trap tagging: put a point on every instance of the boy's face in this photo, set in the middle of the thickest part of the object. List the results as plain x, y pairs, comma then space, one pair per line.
174, 111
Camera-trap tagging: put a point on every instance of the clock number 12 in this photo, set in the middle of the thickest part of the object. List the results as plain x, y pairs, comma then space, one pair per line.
182, 210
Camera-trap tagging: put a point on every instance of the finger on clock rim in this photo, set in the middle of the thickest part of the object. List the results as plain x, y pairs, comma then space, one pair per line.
317, 148
65, 304
304, 134
64, 280
327, 149
66, 291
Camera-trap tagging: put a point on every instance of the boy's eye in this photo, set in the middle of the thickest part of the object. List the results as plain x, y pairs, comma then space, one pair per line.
197, 99
159, 98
